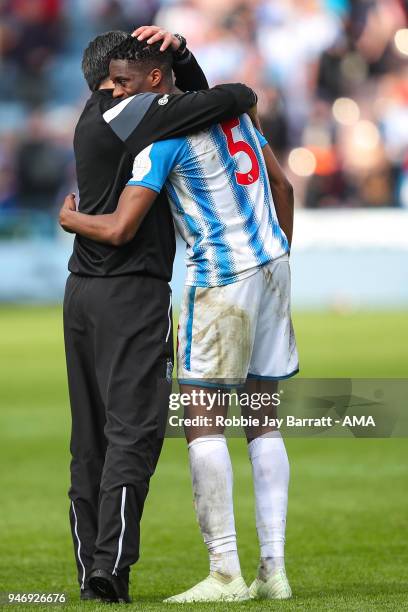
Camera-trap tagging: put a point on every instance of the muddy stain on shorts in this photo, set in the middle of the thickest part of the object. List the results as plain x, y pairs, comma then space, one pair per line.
224, 335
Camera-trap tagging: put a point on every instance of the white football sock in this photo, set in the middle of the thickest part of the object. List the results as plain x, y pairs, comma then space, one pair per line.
270, 469
211, 473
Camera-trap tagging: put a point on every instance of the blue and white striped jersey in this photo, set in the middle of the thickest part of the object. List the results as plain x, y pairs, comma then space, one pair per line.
220, 198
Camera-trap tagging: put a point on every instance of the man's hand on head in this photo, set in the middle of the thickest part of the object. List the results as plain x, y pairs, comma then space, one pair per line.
68, 207
152, 34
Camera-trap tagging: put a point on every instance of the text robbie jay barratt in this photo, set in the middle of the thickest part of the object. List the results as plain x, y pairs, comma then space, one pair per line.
289, 421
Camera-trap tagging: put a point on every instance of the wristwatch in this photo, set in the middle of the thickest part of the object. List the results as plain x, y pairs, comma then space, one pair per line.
182, 51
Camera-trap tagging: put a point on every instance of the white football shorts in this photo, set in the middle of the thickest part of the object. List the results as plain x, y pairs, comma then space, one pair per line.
227, 334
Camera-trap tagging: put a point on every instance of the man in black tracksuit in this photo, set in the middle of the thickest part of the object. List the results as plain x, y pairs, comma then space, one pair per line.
117, 316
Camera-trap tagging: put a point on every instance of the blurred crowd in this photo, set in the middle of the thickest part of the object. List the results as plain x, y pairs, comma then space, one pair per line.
332, 79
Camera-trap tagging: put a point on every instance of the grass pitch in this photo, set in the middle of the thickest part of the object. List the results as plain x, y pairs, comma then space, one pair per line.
347, 523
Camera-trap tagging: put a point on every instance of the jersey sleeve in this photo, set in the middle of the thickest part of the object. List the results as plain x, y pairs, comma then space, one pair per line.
153, 165
262, 140
145, 118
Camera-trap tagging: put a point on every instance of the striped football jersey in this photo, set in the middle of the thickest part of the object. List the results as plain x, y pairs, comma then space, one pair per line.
219, 194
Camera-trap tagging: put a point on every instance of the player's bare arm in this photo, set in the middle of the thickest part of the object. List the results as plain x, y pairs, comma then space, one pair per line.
282, 192
116, 228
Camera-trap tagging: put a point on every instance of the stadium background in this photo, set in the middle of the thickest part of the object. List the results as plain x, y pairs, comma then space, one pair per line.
333, 83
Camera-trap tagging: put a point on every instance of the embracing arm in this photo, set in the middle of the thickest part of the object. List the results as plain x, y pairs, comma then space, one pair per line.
281, 188
282, 192
145, 118
150, 170
116, 228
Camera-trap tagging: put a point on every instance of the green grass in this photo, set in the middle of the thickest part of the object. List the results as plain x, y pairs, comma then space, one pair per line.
347, 522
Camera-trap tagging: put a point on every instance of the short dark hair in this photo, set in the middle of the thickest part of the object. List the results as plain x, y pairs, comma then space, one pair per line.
149, 56
96, 58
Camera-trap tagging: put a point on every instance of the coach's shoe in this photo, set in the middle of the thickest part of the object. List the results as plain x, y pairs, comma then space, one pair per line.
214, 588
276, 587
111, 588
88, 594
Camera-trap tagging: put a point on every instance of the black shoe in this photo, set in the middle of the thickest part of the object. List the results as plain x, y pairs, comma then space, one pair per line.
88, 594
109, 587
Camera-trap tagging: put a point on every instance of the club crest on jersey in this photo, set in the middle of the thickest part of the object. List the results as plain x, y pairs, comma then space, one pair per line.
164, 100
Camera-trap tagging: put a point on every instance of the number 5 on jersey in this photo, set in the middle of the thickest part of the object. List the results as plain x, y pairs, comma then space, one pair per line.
238, 146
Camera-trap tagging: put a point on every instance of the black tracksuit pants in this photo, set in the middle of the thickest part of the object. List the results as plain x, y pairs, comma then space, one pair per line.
119, 351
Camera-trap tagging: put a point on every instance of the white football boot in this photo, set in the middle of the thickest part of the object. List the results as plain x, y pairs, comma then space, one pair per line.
276, 587
214, 588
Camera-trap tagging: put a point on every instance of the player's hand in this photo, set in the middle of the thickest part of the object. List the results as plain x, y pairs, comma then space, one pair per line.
68, 207
152, 34
70, 202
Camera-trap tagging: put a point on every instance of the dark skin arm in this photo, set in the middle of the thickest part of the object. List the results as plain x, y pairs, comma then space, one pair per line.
282, 190
120, 227
116, 228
